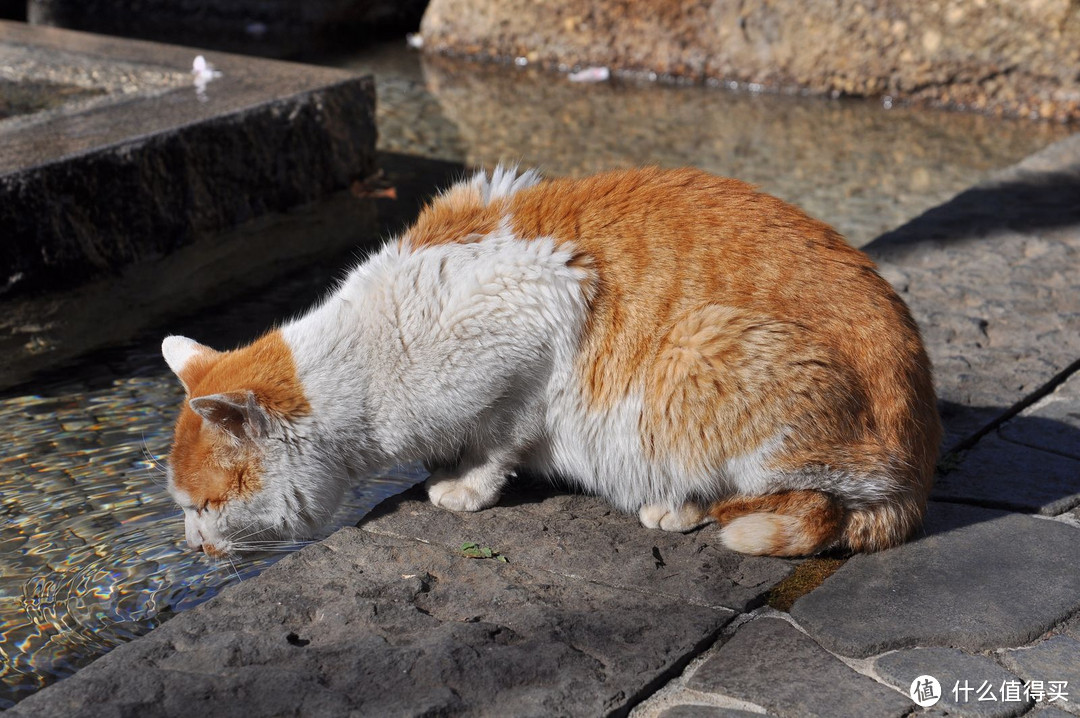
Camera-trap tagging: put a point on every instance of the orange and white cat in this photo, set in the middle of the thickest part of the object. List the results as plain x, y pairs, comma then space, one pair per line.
678, 343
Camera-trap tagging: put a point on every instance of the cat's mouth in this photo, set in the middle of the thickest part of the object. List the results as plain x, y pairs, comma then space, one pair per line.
213, 551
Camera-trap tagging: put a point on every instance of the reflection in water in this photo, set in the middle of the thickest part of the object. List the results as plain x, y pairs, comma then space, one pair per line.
854, 164
92, 549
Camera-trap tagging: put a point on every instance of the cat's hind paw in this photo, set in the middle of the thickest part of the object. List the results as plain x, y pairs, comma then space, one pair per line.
687, 517
458, 495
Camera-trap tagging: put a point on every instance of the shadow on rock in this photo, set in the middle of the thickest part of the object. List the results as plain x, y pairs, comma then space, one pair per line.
1040, 194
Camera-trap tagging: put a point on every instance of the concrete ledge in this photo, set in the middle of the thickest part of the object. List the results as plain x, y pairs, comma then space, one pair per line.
153, 164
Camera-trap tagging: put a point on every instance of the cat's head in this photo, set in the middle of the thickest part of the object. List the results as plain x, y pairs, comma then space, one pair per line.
241, 460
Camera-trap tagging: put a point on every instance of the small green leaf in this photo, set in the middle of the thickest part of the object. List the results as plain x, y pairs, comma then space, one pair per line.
468, 546
502, 558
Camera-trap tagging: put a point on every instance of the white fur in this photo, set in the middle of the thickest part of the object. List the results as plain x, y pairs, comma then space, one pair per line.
759, 533
178, 351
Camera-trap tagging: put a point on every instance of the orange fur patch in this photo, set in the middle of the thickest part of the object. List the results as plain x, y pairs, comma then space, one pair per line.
207, 465
736, 316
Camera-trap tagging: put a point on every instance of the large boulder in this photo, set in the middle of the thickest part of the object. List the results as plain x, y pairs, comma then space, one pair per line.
1016, 57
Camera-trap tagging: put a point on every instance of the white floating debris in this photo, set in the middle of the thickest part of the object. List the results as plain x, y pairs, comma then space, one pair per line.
414, 40
256, 29
203, 73
591, 74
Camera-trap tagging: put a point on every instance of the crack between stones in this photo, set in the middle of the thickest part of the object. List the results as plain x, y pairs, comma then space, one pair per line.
1044, 390
672, 672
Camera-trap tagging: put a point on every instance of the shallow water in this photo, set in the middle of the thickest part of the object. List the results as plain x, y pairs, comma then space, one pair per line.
91, 547
855, 164
92, 551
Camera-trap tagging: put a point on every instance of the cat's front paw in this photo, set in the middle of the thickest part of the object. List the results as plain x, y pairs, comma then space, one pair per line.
685, 518
458, 495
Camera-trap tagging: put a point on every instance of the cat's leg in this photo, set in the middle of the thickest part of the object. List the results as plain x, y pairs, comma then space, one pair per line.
687, 517
474, 483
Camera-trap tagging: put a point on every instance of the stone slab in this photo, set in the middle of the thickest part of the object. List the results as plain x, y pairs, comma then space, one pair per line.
979, 579
1050, 712
541, 528
993, 278
770, 662
1007, 475
1052, 423
956, 670
1055, 659
150, 166
364, 624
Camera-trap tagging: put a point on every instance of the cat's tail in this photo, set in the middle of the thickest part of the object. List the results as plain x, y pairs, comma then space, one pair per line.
800, 523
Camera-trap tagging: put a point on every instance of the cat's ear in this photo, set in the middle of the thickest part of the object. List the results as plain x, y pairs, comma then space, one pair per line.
181, 353
237, 413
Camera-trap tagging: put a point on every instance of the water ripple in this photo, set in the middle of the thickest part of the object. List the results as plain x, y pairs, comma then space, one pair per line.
92, 552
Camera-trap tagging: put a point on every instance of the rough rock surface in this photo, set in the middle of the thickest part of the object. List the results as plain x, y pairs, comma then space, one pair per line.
1055, 659
1052, 424
993, 278
996, 55
1003, 474
363, 624
771, 663
980, 579
538, 527
276, 28
957, 670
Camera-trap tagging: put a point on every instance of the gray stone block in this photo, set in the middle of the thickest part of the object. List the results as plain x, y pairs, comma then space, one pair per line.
1052, 424
1049, 712
979, 579
960, 671
571, 535
1008, 475
151, 165
1055, 659
771, 663
363, 624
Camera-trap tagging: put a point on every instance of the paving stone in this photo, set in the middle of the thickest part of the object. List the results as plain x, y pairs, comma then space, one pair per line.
700, 711
979, 579
1049, 712
1055, 659
1052, 424
539, 527
993, 278
773, 664
1008, 475
954, 669
373, 625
